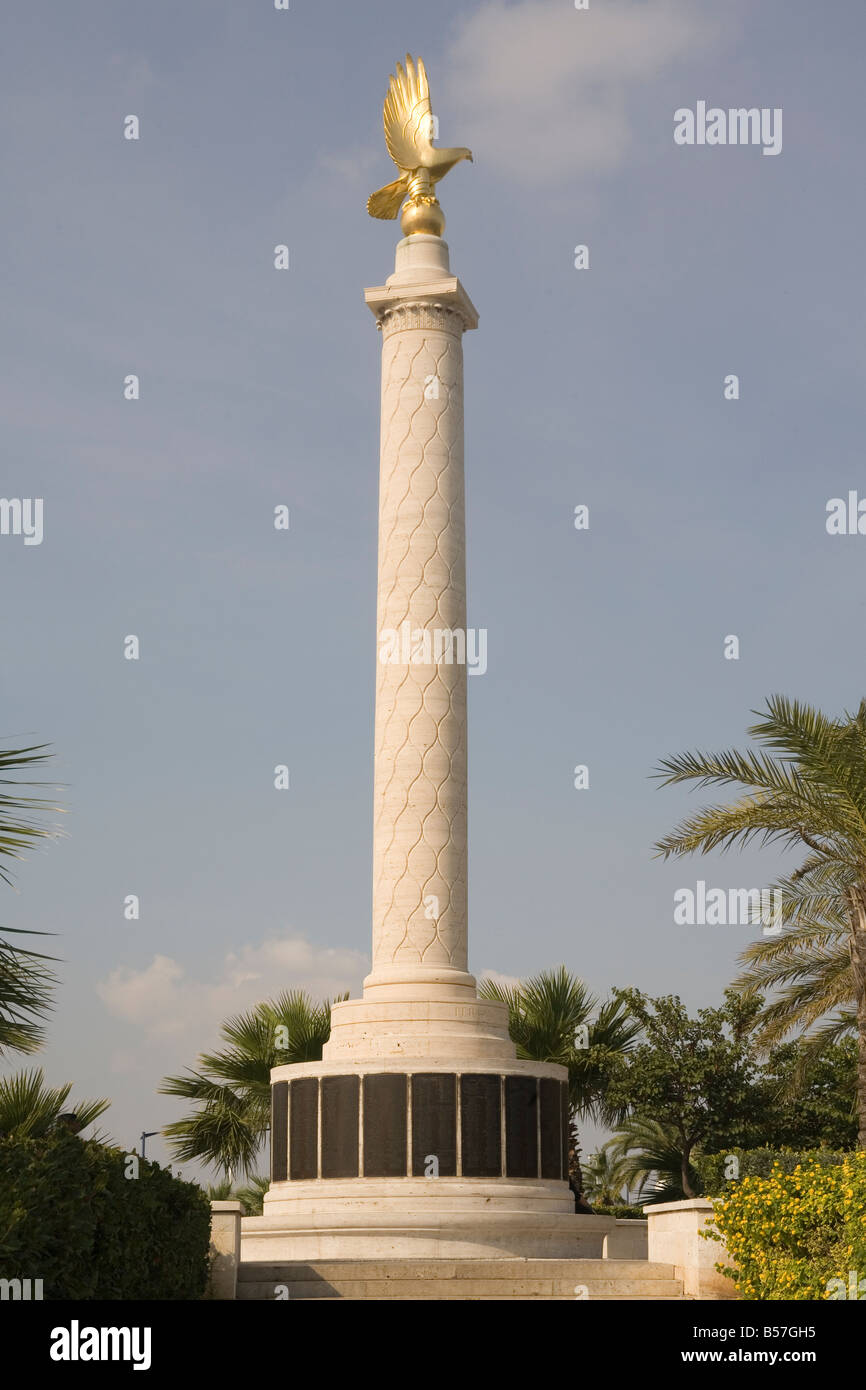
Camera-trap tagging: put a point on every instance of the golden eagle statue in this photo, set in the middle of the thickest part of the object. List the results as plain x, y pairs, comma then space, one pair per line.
409, 127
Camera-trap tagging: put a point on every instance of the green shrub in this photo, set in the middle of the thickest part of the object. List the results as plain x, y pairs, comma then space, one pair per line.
620, 1211
71, 1217
758, 1163
791, 1233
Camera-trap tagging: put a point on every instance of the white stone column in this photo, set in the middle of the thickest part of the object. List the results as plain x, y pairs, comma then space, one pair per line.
419, 998
420, 850
420, 1016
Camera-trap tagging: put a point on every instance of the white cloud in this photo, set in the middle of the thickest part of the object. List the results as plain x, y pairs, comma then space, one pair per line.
541, 91
504, 981
170, 1007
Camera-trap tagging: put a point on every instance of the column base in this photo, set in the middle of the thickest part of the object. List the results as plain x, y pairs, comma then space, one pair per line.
406, 1219
467, 1028
420, 982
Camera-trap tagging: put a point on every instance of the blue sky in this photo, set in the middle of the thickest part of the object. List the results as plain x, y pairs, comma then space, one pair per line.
258, 387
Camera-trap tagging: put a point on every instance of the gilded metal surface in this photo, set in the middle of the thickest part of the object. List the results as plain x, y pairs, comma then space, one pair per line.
409, 126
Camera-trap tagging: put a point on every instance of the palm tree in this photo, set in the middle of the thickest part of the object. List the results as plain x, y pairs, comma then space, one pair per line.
809, 968
231, 1089
252, 1194
29, 1108
807, 793
25, 978
605, 1177
648, 1153
550, 1019
221, 1191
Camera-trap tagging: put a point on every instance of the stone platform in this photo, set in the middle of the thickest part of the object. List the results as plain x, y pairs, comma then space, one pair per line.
461, 1220
484, 1279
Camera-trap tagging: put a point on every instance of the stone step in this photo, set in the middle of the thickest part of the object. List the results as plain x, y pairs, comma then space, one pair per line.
502, 1297
468, 1288
486, 1279
503, 1268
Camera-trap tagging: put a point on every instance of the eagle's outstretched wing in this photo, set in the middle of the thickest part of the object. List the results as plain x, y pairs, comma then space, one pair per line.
407, 117
386, 202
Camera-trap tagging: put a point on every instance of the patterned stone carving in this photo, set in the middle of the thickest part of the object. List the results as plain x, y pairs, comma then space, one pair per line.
420, 314
419, 879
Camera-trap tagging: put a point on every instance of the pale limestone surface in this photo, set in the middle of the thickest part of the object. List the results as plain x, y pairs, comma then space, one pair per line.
402, 1233
420, 1010
225, 1248
627, 1241
590, 1280
419, 999
457, 1034
419, 846
674, 1238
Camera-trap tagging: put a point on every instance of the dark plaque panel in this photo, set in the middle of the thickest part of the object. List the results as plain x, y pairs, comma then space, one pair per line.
563, 1125
521, 1127
279, 1131
480, 1120
385, 1125
434, 1122
551, 1146
340, 1098
304, 1128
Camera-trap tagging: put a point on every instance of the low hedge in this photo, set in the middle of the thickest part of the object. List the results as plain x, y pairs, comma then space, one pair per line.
620, 1211
758, 1163
798, 1234
70, 1216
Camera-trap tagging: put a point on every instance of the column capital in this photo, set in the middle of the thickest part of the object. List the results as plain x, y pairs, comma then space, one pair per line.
441, 303
422, 292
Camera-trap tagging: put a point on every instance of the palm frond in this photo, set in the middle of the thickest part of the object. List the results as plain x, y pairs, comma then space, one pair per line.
20, 815
648, 1155
230, 1089
30, 1109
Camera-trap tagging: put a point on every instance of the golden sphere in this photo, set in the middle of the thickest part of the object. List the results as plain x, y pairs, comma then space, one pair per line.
426, 217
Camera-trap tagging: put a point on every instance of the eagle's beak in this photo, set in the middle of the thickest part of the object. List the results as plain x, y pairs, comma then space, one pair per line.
469, 157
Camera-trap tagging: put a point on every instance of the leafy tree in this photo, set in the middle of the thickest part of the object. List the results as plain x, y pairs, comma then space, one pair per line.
692, 1076
231, 1089
808, 793
795, 1099
808, 1100
550, 1019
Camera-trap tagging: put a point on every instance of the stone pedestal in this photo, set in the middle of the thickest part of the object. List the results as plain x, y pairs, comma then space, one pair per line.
225, 1249
675, 1238
419, 1132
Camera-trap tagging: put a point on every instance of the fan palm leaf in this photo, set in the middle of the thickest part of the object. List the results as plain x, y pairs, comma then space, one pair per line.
29, 1108
648, 1155
230, 1090
550, 1019
605, 1176
805, 790
26, 979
